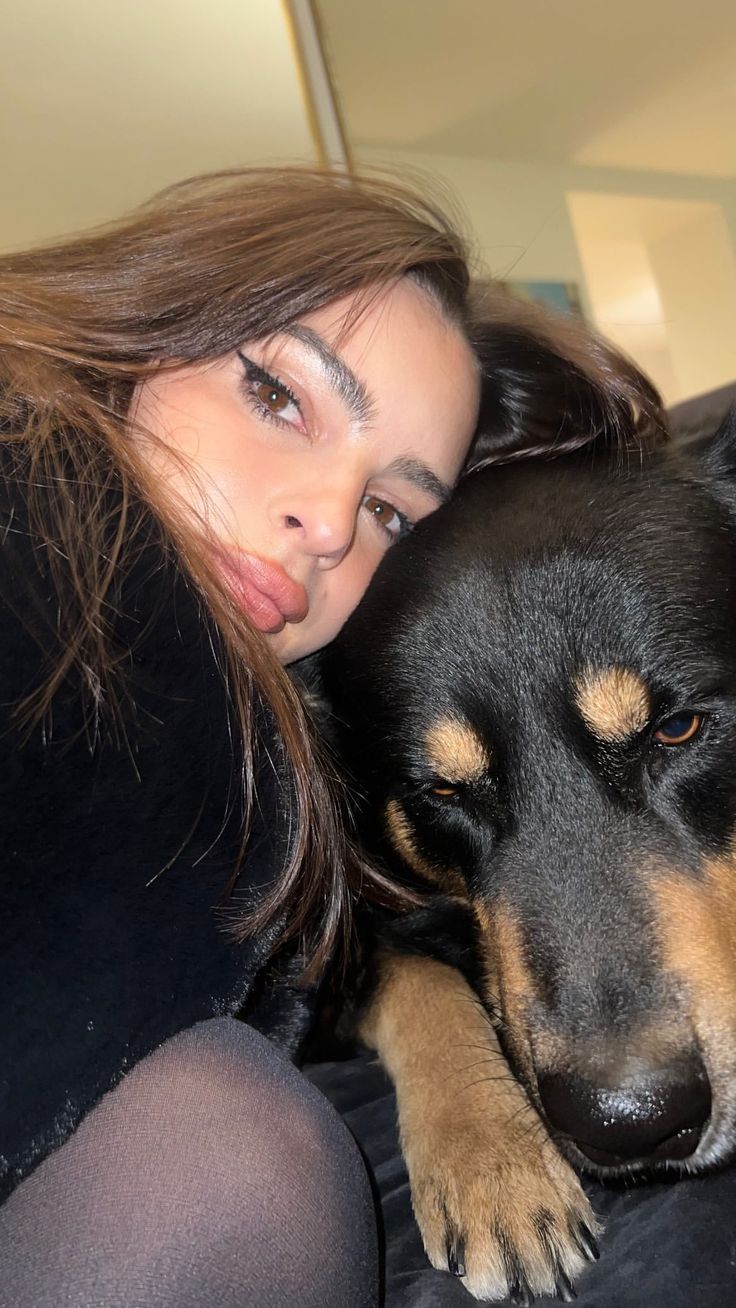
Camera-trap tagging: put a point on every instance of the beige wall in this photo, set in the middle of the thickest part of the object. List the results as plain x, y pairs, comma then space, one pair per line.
661, 281
519, 211
102, 103
625, 302
695, 270
524, 231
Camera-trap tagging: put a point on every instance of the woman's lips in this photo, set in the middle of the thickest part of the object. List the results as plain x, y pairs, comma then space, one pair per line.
262, 589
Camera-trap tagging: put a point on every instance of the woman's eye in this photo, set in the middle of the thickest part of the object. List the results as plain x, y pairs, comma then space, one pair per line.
389, 519
270, 398
679, 729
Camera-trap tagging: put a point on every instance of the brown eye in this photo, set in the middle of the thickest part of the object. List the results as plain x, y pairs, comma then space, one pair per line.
272, 397
379, 509
268, 396
443, 790
679, 729
391, 521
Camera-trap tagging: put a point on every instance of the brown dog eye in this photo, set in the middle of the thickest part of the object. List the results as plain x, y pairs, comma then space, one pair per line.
679, 729
443, 790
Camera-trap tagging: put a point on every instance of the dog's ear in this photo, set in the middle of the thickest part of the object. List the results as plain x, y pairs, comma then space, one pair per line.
717, 453
549, 388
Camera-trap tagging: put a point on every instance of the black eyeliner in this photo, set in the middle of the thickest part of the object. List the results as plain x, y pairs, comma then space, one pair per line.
254, 373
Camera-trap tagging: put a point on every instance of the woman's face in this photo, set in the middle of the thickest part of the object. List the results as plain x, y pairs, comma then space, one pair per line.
310, 453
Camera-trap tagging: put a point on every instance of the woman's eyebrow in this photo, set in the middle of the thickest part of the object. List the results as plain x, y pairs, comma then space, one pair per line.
342, 379
353, 393
419, 474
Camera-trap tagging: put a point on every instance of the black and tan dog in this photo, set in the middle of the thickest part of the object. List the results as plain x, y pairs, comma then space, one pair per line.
538, 702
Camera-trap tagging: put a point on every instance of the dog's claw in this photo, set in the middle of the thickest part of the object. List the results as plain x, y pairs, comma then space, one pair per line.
564, 1289
521, 1295
587, 1243
456, 1257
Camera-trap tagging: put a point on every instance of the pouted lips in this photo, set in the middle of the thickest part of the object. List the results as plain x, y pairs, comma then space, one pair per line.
262, 589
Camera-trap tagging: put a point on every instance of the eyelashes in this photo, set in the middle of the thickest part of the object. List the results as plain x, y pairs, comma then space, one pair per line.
388, 519
269, 397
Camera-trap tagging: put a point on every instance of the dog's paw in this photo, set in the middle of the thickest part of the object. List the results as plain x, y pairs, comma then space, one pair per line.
500, 1208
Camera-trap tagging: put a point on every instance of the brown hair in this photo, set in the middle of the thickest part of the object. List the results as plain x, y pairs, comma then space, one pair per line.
204, 267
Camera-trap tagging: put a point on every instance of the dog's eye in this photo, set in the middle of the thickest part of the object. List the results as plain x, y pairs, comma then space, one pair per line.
679, 729
445, 790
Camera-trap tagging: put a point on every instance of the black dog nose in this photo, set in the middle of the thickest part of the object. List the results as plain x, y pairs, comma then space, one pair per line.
652, 1116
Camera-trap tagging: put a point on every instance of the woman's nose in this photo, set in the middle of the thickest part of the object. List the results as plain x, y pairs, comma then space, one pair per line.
325, 525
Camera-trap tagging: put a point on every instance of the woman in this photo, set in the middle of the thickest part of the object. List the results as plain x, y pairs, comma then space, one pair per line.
218, 415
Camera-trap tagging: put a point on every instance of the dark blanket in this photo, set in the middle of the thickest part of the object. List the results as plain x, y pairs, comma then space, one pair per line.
664, 1246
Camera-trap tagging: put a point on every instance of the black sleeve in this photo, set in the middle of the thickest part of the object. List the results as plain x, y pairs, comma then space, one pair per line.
117, 848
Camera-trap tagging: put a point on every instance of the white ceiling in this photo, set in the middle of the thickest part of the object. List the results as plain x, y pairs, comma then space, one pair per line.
632, 84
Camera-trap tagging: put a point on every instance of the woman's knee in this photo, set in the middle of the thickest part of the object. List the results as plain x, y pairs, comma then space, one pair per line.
264, 1145
267, 1163
226, 1093
215, 1173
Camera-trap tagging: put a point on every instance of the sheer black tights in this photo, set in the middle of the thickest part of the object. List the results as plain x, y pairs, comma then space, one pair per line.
213, 1176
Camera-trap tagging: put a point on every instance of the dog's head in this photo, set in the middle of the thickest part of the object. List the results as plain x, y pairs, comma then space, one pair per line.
538, 699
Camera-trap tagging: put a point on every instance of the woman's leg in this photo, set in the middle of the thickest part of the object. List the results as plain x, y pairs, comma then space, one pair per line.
213, 1176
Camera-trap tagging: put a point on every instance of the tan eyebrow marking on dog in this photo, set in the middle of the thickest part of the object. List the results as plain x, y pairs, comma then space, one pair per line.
401, 835
614, 702
455, 750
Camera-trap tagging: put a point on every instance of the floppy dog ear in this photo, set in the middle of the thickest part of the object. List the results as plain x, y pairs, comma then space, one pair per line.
550, 387
717, 453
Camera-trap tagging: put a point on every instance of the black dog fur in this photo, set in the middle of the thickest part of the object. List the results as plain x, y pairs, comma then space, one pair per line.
575, 622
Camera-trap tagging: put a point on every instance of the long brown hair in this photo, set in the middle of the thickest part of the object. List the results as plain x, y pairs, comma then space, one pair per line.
204, 267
